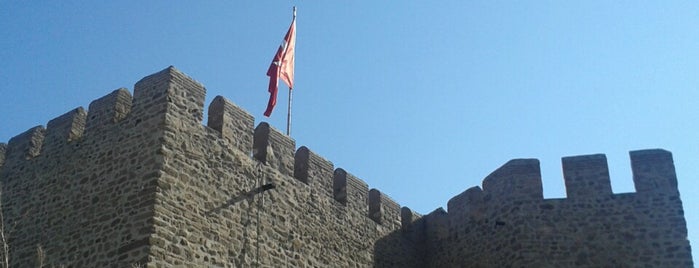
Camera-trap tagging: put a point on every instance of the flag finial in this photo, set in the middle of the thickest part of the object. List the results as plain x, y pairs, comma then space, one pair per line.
294, 11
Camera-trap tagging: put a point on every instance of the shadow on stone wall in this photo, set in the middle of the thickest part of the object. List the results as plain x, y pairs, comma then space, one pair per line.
242, 196
402, 248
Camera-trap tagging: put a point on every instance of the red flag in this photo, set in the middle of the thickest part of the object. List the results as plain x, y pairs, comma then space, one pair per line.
282, 66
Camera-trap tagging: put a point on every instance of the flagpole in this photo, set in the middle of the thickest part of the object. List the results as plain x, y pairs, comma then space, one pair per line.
288, 115
288, 111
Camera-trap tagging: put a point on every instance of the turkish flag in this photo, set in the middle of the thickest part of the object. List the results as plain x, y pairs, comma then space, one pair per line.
282, 66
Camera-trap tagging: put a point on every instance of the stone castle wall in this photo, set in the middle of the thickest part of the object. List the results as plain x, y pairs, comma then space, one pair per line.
507, 223
81, 188
212, 207
140, 180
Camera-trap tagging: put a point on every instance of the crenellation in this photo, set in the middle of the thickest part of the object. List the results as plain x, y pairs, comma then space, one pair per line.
108, 110
26, 145
518, 179
413, 232
314, 170
235, 124
65, 128
151, 185
375, 212
340, 186
586, 176
351, 191
383, 210
653, 171
591, 227
274, 148
436, 226
468, 203
409, 219
170, 96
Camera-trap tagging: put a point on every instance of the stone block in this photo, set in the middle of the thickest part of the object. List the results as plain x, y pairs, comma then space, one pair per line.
108, 110
235, 124
586, 176
516, 180
26, 145
65, 128
654, 171
274, 148
169, 92
314, 170
351, 191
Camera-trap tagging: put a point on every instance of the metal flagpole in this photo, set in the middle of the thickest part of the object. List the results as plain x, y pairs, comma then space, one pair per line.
288, 111
288, 115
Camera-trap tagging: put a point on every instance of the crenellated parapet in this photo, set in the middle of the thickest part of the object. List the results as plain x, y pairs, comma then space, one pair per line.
436, 225
171, 98
26, 145
408, 217
314, 170
274, 148
151, 178
654, 172
382, 209
108, 110
65, 128
469, 202
173, 101
169, 93
518, 179
509, 219
586, 176
234, 124
350, 191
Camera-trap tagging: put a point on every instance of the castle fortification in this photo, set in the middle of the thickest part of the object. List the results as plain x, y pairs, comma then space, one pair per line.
140, 180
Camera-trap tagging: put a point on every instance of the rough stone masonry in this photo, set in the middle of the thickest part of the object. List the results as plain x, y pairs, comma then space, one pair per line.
139, 180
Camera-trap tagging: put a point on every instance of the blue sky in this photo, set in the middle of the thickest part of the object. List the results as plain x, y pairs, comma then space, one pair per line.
422, 100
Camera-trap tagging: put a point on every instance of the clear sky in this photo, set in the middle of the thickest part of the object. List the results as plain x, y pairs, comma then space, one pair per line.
420, 99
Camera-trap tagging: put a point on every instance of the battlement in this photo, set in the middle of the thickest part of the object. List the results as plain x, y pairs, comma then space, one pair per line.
26, 145
510, 215
518, 179
654, 172
350, 191
108, 110
67, 127
232, 123
169, 96
173, 101
147, 181
585, 176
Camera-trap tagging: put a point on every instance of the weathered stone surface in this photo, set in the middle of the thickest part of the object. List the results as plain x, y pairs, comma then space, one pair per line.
149, 184
350, 191
65, 128
516, 180
654, 171
26, 145
233, 123
108, 110
590, 228
273, 148
586, 176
